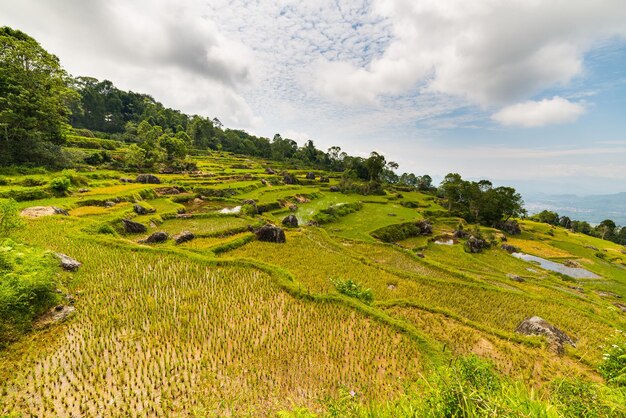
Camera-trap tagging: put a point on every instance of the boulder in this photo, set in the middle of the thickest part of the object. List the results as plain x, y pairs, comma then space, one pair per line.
291, 221
539, 326
324, 179
515, 278
156, 238
169, 190
310, 176
577, 288
334, 188
620, 306
148, 179
268, 170
39, 211
460, 234
57, 314
183, 237
67, 262
510, 248
475, 244
133, 227
109, 204
313, 223
270, 233
142, 210
426, 228
572, 263
83, 190
289, 179
510, 227
264, 182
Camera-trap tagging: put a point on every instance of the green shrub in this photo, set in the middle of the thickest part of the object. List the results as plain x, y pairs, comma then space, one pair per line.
578, 398
613, 367
399, 232
9, 217
27, 287
334, 212
354, 290
60, 184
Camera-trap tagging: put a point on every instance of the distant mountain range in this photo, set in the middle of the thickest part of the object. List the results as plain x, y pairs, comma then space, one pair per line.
593, 209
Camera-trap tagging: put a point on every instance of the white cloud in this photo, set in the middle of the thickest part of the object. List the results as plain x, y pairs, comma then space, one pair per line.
532, 114
488, 52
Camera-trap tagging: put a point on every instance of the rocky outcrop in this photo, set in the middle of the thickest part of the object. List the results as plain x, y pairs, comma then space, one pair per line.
142, 210
289, 179
169, 190
510, 248
55, 315
510, 227
133, 227
148, 179
183, 237
475, 244
39, 211
291, 221
268, 170
539, 326
460, 234
334, 188
67, 262
270, 233
156, 237
310, 176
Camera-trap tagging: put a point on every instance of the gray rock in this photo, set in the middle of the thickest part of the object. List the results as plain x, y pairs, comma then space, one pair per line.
515, 278
133, 227
83, 190
126, 180
268, 170
148, 179
510, 248
270, 233
334, 188
55, 315
291, 221
142, 210
156, 238
510, 227
289, 179
324, 179
67, 262
539, 326
310, 176
475, 244
620, 306
109, 204
183, 237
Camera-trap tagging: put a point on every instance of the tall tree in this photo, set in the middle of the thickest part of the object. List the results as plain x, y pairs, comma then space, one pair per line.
34, 101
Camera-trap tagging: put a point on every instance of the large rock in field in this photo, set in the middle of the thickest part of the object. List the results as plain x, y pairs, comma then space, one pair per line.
183, 237
142, 210
510, 227
148, 179
55, 315
426, 228
289, 179
510, 248
39, 211
475, 244
156, 238
310, 176
67, 262
334, 188
268, 170
133, 227
291, 221
270, 233
539, 326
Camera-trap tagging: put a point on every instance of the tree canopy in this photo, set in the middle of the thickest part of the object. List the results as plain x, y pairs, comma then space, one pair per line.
34, 101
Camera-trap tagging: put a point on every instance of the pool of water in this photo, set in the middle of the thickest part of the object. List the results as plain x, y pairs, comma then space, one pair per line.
575, 272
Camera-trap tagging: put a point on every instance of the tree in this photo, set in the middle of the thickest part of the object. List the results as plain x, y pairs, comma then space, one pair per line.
375, 165
606, 229
34, 101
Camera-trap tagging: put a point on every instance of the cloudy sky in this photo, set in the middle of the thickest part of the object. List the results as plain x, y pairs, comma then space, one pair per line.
524, 92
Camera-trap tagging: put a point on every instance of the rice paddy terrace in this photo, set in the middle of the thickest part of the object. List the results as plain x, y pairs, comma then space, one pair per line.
225, 324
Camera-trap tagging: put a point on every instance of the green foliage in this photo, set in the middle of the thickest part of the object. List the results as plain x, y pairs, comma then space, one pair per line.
399, 232
334, 212
27, 287
60, 184
34, 99
9, 217
579, 398
354, 290
613, 367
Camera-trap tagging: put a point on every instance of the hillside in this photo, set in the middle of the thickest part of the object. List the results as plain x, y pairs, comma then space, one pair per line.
225, 324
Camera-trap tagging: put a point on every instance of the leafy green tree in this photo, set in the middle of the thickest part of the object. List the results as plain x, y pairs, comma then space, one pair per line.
606, 229
34, 101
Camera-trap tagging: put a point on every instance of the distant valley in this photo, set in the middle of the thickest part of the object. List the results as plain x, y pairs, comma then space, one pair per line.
593, 209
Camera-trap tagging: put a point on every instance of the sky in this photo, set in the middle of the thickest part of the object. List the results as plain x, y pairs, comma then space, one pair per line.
528, 93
